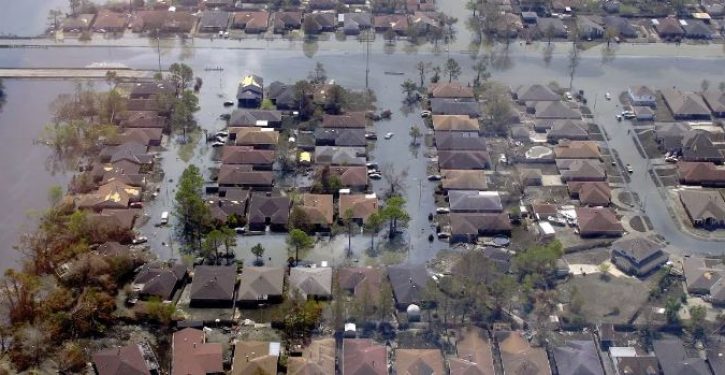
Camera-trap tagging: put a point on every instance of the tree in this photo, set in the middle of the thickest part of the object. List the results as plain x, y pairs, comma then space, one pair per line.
452, 69
395, 179
160, 311
672, 311
549, 33
389, 36
697, 321
182, 76
394, 212
472, 5
55, 194
538, 262
194, 216
385, 301
436, 74
229, 240
704, 85
422, 69
74, 5
299, 219
409, 89
318, 74
573, 64
373, 225
481, 69
111, 78
299, 240
722, 86
258, 251
612, 33
53, 18
310, 26
415, 133
497, 109
347, 218
213, 240
182, 116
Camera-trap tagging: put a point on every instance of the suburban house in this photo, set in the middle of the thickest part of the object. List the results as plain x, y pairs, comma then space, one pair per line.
252, 22
360, 205
320, 22
191, 354
143, 119
244, 118
644, 113
464, 160
213, 21
255, 357
535, 93
318, 209
352, 120
250, 92
213, 286
125, 360
419, 361
547, 28
685, 105
475, 201
459, 141
408, 283
441, 106
353, 177
333, 155
245, 177
593, 222
109, 22
642, 96
283, 22
163, 20
223, 209
577, 150
363, 357
363, 282
638, 255
159, 280
674, 360
519, 357
454, 123
258, 138
354, 23
590, 193
450, 90
340, 137
475, 354
267, 209
317, 358
460, 179
628, 361
260, 160
77, 24
669, 28
311, 282
706, 208
669, 135
705, 276
467, 227
621, 25
696, 29
575, 130
260, 285
282, 95
396, 22
715, 100
113, 195
701, 173
577, 357
698, 146
581, 170
556, 110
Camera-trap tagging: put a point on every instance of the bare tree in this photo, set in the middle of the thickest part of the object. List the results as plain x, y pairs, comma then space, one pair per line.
573, 64
422, 69
394, 178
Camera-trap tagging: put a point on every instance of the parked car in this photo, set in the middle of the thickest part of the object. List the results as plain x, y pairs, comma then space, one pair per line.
139, 240
389, 135
228, 103
443, 210
434, 177
629, 168
425, 114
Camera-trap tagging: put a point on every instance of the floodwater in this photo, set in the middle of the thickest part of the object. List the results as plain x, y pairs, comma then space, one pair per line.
27, 18
597, 73
25, 175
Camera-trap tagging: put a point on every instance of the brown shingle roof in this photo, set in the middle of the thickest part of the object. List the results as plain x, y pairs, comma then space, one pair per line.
363, 357
256, 137
258, 283
213, 283
254, 357
474, 354
311, 282
593, 193
356, 120
449, 90
458, 179
362, 281
192, 355
464, 159
317, 359
318, 207
362, 205
454, 123
700, 173
598, 221
125, 360
419, 361
577, 150
519, 357
353, 176
273, 207
247, 155
243, 175
257, 20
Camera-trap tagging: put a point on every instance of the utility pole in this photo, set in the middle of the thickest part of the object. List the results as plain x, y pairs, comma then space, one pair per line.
367, 58
158, 48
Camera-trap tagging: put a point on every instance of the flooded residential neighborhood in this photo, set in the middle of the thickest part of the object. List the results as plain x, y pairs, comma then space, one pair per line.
345, 187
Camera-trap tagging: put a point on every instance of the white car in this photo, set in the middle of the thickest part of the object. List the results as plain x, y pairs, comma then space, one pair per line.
389, 135
217, 144
607, 96
425, 114
443, 210
139, 240
630, 169
375, 176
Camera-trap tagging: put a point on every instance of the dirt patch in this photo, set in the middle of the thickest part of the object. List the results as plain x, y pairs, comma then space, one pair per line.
592, 256
612, 300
